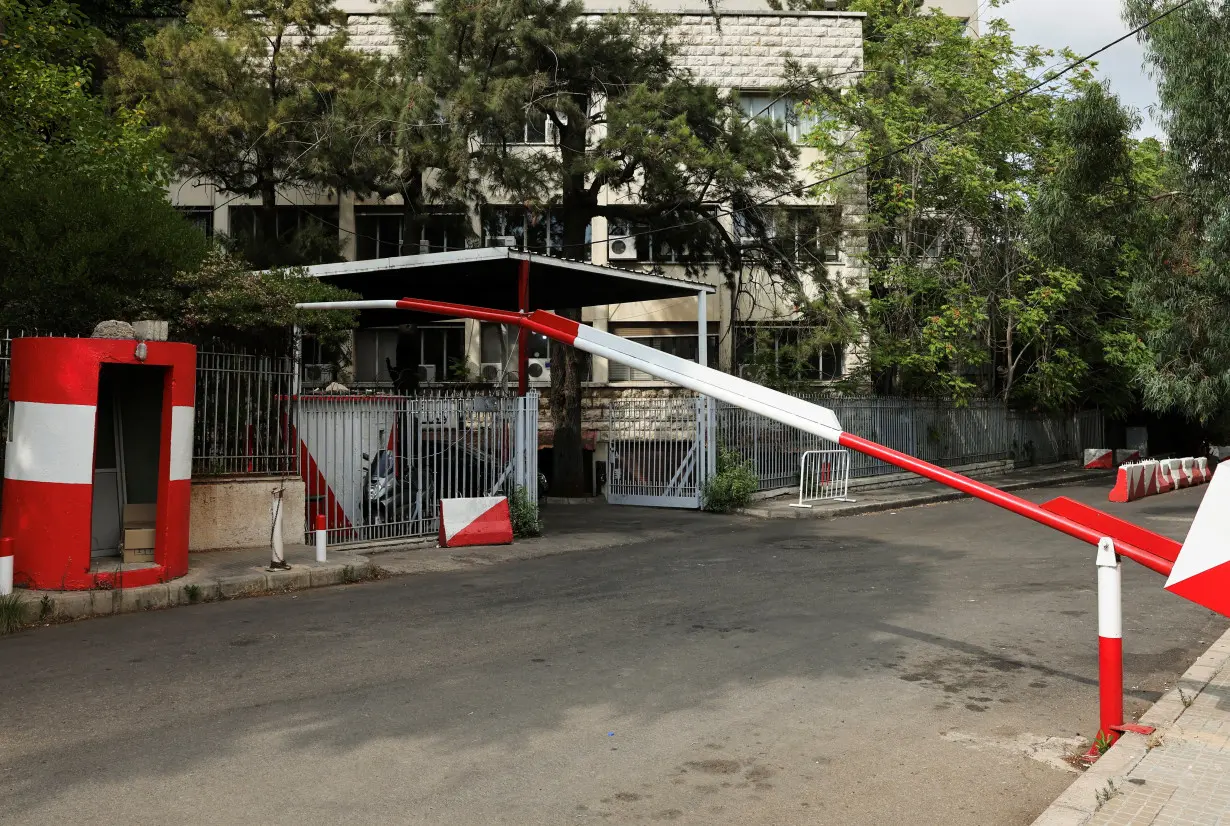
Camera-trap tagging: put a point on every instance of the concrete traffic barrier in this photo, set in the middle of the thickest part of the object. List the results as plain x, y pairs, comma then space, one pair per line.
1099, 458
476, 521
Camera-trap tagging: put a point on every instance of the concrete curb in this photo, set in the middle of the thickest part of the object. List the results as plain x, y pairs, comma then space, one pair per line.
907, 501
1079, 803
47, 607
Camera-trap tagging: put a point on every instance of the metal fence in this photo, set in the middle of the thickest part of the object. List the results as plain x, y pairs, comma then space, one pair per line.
244, 408
659, 451
937, 432
824, 476
376, 466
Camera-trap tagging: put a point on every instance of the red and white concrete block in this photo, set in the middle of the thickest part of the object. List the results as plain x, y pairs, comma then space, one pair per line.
483, 520
1099, 458
1153, 476
1134, 482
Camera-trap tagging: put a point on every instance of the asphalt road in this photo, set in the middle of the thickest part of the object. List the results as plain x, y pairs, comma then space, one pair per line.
929, 666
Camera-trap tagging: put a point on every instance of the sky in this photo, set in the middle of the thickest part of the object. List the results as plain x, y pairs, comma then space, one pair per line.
1084, 26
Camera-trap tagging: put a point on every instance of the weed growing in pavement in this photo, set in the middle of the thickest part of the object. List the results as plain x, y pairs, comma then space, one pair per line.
351, 574
732, 486
1103, 742
1105, 793
193, 593
46, 606
524, 515
1186, 700
12, 613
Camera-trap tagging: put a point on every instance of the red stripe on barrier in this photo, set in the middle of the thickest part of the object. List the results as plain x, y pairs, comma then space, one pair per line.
1001, 498
1110, 686
1113, 527
1207, 588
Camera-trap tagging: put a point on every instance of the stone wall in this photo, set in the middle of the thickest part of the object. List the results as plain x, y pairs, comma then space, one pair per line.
235, 513
748, 52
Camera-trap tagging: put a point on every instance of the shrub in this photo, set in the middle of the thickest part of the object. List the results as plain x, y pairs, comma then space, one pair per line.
733, 485
524, 514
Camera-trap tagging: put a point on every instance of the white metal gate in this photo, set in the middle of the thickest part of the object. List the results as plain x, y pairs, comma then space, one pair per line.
377, 466
661, 451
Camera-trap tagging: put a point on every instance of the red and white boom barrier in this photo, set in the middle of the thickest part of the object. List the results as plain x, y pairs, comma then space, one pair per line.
1198, 571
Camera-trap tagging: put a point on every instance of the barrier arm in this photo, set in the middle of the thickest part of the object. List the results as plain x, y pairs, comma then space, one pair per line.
822, 422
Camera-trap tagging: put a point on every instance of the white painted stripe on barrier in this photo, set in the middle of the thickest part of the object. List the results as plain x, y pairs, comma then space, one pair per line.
181, 443
1110, 597
1206, 546
458, 514
51, 443
806, 416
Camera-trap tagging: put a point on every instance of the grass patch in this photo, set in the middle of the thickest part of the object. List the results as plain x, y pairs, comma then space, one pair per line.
524, 515
732, 487
12, 613
193, 593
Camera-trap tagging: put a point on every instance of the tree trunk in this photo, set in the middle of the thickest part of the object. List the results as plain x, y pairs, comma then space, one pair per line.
568, 452
267, 222
412, 215
577, 209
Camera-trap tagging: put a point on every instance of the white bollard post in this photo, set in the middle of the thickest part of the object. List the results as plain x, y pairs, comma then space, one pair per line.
275, 538
322, 537
1110, 642
6, 566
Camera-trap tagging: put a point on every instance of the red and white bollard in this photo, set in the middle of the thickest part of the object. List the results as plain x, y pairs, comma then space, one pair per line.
1110, 642
322, 536
6, 566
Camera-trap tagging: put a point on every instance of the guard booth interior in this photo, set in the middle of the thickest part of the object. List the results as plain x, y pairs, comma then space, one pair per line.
127, 453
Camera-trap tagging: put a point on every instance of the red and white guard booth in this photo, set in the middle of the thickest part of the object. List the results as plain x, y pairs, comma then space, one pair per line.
96, 427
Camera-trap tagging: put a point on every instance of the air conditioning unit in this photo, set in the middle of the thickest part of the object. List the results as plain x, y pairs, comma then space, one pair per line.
501, 240
491, 371
539, 370
319, 374
622, 249
427, 372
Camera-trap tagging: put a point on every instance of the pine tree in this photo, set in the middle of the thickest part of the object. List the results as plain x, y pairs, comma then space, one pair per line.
636, 140
245, 91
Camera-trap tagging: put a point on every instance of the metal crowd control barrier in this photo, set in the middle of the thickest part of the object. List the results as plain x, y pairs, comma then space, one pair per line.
1198, 571
824, 476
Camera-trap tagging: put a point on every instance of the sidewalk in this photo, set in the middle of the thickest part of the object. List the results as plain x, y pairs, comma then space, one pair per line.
1180, 774
873, 499
234, 574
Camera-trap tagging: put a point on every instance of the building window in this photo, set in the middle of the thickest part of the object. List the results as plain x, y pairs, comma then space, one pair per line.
627, 242
676, 339
438, 350
201, 217
768, 352
379, 233
245, 220
781, 111
537, 130
541, 232
805, 235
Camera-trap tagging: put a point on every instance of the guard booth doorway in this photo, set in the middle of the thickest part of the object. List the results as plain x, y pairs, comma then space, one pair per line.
127, 457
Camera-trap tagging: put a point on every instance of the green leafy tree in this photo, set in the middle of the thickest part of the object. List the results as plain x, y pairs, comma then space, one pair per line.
49, 123
245, 92
975, 287
1181, 279
86, 232
635, 140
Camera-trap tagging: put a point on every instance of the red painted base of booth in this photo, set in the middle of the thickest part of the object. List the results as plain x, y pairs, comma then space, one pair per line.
54, 555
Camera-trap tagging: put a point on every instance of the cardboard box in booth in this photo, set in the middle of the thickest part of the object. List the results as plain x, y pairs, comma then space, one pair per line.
139, 521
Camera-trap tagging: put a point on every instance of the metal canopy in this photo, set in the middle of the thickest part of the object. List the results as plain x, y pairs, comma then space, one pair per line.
489, 275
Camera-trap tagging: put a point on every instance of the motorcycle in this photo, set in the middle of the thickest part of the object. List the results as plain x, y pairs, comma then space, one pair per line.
389, 493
